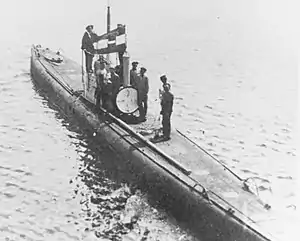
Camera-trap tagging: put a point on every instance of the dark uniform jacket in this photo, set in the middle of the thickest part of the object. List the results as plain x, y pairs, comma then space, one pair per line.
133, 77
87, 42
142, 86
116, 83
167, 103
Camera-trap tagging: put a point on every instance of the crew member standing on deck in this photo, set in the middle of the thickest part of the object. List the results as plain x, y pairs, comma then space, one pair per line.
134, 74
100, 74
166, 111
118, 71
116, 84
107, 101
143, 89
87, 45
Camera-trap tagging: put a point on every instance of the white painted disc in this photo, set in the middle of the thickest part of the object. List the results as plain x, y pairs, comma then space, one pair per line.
127, 100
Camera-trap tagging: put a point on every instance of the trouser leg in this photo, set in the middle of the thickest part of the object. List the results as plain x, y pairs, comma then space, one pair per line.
98, 96
115, 102
145, 106
88, 62
88, 66
141, 110
111, 104
166, 123
103, 98
163, 122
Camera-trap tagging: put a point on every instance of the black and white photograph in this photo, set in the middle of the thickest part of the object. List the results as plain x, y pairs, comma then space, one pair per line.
148, 120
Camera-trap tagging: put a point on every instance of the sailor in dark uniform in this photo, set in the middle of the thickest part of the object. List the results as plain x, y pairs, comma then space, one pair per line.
134, 74
166, 111
142, 86
88, 39
115, 79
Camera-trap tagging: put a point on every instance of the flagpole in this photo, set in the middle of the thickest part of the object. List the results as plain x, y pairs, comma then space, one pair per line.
108, 26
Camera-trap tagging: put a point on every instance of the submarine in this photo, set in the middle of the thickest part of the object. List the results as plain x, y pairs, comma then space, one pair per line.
213, 201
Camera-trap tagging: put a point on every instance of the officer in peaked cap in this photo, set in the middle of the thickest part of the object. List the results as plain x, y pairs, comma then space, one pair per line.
166, 111
89, 27
88, 39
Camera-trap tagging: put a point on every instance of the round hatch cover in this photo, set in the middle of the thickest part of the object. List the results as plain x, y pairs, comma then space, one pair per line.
127, 100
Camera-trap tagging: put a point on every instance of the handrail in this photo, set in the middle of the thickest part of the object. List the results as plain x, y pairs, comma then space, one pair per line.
244, 181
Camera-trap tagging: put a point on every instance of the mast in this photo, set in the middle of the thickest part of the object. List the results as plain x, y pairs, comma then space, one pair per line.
108, 18
108, 27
